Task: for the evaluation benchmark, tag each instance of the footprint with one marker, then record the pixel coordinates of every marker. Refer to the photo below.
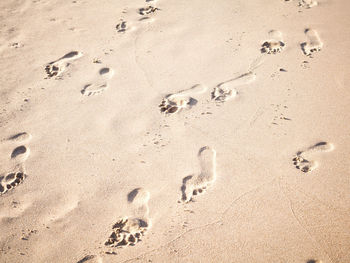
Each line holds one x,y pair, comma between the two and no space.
226,90
308,3
302,161
147,10
127,231
99,86
11,180
274,45
196,184
181,100
314,43
56,68
19,155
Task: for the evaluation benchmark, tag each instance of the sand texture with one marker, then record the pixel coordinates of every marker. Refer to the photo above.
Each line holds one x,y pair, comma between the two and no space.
174,131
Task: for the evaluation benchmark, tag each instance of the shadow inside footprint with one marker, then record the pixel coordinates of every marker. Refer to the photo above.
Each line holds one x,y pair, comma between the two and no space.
20,137
18,151
71,54
86,258
131,196
104,71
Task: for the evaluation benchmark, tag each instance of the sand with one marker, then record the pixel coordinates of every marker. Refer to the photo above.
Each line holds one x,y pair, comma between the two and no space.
174,131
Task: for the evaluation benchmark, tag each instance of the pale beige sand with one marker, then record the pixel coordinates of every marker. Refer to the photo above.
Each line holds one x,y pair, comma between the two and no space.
83,148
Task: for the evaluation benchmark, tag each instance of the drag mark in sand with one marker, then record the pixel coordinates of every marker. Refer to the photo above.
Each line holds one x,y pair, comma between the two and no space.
226,90
274,44
302,159
196,184
314,43
57,67
181,100
99,86
127,231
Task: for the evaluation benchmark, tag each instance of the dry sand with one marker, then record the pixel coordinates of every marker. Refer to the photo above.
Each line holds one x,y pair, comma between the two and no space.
175,131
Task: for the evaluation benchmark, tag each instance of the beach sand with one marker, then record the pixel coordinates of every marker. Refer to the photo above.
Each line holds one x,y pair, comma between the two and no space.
174,131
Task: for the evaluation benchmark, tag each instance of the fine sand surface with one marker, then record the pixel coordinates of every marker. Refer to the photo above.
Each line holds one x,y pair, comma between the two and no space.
175,131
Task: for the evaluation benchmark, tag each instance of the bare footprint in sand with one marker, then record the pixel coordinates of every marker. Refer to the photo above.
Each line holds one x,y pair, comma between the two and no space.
314,43
18,156
274,44
197,184
226,90
99,86
181,100
127,231
56,68
302,159
11,180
